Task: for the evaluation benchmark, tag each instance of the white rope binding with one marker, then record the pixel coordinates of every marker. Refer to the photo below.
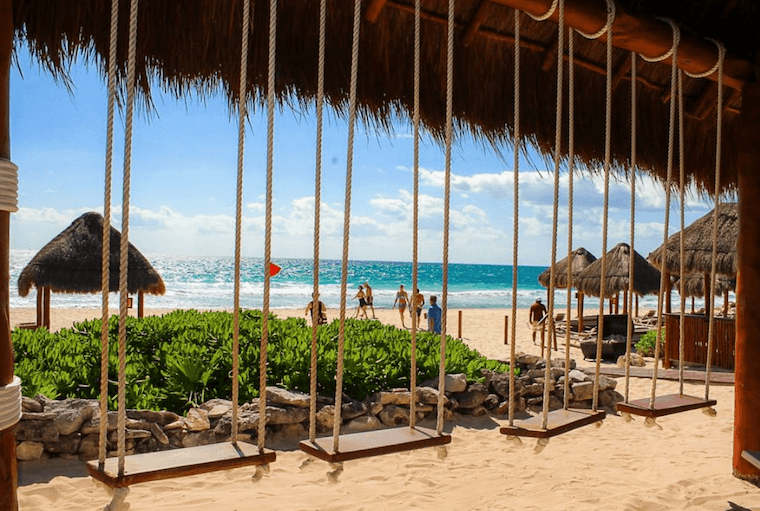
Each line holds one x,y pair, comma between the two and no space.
10,404
8,186
611,12
547,14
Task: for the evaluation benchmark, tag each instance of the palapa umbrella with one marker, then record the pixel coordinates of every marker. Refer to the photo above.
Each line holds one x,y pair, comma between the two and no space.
694,286
71,263
646,278
580,259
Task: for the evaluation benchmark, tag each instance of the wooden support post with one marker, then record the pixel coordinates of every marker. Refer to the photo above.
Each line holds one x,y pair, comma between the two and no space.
506,329
725,303
39,306
708,294
46,307
668,289
373,11
637,306
477,20
625,302
8,464
141,303
747,372
459,326
580,312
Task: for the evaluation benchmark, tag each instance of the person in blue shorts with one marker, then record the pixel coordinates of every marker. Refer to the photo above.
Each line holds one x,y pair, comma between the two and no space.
434,315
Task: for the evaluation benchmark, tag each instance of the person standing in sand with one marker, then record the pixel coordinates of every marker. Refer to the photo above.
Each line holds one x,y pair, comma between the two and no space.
536,317
362,307
321,312
419,300
368,297
401,299
434,315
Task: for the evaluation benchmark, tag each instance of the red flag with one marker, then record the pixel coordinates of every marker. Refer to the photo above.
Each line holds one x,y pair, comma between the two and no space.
274,269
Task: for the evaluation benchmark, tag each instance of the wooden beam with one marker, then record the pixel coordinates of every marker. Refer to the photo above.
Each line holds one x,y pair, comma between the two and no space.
373,11
475,22
643,35
621,72
706,101
550,54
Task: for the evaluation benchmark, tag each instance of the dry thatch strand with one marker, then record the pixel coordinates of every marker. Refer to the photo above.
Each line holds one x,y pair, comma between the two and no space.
580,259
694,285
193,47
616,267
71,262
698,245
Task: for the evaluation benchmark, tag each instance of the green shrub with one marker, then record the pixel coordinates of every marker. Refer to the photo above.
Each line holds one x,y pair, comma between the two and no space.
645,346
185,357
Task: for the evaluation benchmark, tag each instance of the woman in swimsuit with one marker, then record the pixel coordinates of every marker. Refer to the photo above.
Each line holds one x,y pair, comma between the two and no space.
401,298
362,307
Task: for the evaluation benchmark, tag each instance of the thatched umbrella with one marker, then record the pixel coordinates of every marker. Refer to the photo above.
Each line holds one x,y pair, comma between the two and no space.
580,259
646,279
694,286
71,263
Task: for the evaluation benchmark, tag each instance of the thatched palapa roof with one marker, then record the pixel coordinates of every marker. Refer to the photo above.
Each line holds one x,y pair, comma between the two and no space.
698,245
646,278
71,262
580,259
188,47
694,285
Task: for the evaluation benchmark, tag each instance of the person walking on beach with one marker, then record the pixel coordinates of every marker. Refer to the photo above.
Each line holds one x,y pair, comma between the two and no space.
434,316
362,307
401,299
368,297
536,317
321,312
419,303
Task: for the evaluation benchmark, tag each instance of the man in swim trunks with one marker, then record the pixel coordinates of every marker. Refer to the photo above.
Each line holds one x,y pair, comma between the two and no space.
401,298
362,307
321,315
434,316
536,316
420,303
368,297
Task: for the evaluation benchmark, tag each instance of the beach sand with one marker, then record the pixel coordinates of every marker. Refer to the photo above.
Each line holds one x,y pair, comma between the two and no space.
684,463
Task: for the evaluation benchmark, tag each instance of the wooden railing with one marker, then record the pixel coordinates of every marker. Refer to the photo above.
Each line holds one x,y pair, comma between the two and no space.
695,337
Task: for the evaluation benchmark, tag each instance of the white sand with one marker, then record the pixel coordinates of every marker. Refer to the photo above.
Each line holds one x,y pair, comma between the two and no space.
620,466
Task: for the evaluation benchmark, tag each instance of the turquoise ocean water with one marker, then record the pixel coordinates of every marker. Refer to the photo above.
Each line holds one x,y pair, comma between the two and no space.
207,283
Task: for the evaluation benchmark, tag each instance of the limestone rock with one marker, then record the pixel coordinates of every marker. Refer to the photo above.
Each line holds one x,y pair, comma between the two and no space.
474,396
326,418
503,408
583,391
37,431
129,434
394,397
533,390
375,408
38,416
491,402
527,359
178,424
158,433
477,411
290,432
88,447
606,383
353,409
217,411
609,398
66,444
452,383
71,414
197,420
280,396
636,360
276,415
31,405
364,423
213,403
93,425
196,438
429,396
393,415
29,450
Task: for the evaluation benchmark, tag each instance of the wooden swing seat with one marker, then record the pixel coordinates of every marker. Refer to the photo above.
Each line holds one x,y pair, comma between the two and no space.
753,457
373,443
664,405
559,421
153,466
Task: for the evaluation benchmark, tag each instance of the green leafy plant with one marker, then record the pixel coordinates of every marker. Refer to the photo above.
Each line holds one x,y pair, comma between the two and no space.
646,345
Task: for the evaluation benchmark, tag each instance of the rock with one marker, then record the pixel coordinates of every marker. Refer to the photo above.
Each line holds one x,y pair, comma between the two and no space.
452,383
474,396
636,360
560,363
326,418
429,396
137,424
213,403
578,376
31,405
38,416
533,390
393,415
290,432
280,396
197,420
178,424
159,434
37,431
88,447
353,409
29,450
93,425
66,444
364,423
162,418
248,420
527,359
375,408
217,411
500,385
477,411
394,397
609,399
194,439
583,391
503,408
71,414
606,383
129,434
276,415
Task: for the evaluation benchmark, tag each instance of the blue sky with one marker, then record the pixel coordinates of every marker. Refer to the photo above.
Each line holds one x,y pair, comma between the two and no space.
183,183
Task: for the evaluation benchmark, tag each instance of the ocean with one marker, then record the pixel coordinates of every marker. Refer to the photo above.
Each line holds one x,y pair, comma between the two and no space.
207,283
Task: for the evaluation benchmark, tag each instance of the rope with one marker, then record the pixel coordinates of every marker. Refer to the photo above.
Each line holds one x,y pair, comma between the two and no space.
718,64
607,158
672,50
262,431
632,234
611,12
124,254
681,245
570,168
547,14
105,260
415,228
242,98
660,296
10,404
315,309
446,206
515,220
718,150
347,221
8,186
555,211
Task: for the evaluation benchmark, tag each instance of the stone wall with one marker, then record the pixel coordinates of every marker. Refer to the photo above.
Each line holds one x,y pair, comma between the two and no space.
69,428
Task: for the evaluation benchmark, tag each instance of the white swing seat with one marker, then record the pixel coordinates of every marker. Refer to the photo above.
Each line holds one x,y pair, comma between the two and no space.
153,466
753,457
559,422
664,405
374,443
